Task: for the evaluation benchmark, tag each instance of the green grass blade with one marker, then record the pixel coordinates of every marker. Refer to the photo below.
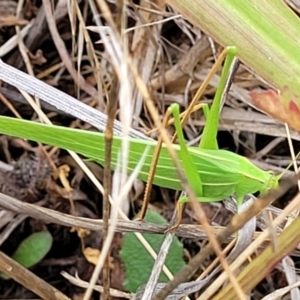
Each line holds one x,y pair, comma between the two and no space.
266,34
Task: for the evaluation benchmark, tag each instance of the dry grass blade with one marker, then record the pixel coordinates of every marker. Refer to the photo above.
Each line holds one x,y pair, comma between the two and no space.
261,266
278,294
52,216
145,44
289,268
29,280
118,76
60,46
60,100
80,283
253,247
148,291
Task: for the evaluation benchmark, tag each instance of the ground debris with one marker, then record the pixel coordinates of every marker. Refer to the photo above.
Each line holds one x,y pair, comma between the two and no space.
28,176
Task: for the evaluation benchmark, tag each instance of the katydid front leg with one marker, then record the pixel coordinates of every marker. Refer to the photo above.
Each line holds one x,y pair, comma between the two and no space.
209,137
188,165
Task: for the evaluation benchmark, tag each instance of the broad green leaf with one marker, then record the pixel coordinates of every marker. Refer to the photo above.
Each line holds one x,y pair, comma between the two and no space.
138,262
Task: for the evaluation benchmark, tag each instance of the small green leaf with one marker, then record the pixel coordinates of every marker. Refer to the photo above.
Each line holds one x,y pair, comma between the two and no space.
138,262
32,250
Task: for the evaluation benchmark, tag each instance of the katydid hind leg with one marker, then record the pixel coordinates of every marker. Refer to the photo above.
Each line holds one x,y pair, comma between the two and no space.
206,81
152,170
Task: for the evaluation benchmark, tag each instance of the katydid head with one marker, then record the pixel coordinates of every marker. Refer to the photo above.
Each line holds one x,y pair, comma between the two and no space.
274,180
271,183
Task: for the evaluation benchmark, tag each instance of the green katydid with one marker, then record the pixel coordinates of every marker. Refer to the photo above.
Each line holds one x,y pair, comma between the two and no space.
213,174
222,172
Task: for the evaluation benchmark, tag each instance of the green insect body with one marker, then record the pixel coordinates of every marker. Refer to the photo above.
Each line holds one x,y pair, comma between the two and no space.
222,172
